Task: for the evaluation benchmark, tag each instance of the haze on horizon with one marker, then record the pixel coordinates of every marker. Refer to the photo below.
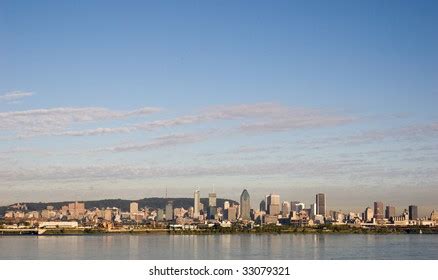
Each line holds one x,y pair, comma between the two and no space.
123,100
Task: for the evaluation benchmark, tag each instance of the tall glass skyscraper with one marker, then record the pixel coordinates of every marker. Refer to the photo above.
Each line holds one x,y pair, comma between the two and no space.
320,204
196,203
245,206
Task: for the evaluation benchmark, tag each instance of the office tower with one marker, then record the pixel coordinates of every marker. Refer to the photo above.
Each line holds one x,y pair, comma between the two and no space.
212,212
413,212
263,205
285,209
160,214
108,215
369,214
378,210
312,210
196,204
245,206
389,212
169,211
226,205
231,213
297,206
273,204
76,209
133,208
320,204
212,199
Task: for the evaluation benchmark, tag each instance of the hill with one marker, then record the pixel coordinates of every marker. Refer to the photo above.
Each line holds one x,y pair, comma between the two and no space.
123,204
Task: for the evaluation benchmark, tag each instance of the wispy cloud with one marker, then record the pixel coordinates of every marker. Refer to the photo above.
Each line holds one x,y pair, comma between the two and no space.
53,120
413,132
160,142
257,118
15,96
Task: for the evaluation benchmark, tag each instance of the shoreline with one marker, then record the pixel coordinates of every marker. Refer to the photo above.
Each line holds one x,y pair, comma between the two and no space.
226,231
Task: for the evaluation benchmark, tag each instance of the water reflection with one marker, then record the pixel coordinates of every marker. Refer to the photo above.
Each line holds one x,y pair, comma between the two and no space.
233,246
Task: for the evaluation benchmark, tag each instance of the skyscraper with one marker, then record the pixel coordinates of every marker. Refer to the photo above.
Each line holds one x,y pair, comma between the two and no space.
369,214
320,204
285,209
263,205
196,204
273,205
133,208
212,199
413,212
389,212
378,210
169,211
245,206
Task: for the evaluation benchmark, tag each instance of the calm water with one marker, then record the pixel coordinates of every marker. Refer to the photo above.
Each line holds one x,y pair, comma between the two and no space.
286,246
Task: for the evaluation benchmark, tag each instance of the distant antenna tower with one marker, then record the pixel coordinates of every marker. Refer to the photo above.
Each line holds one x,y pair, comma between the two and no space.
166,193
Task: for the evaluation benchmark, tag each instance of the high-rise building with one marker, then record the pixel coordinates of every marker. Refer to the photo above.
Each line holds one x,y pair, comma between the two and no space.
169,211
413,212
212,200
321,204
368,214
196,204
226,205
312,210
263,205
285,209
76,209
231,213
378,210
245,206
297,206
273,204
160,214
389,212
133,208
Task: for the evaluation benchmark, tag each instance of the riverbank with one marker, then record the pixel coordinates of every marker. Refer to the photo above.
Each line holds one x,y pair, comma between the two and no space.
218,231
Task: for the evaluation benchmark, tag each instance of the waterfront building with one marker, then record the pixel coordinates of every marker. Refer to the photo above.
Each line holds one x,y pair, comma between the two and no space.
212,212
245,205
321,204
263,205
389,212
196,204
312,210
76,209
133,209
369,214
273,204
285,209
413,212
434,216
378,210
169,211
160,214
231,213
108,215
212,199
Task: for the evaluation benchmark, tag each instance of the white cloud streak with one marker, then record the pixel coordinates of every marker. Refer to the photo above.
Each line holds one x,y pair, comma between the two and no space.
15,96
44,121
261,118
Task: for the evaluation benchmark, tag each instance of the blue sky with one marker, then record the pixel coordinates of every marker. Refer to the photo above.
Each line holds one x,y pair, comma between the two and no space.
109,99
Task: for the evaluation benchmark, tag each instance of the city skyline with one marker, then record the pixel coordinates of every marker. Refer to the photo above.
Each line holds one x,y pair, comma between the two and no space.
291,98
